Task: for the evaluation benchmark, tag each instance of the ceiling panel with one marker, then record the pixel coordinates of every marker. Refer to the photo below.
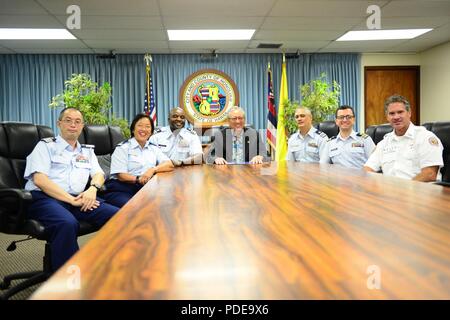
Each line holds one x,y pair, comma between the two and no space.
29,21
39,44
208,44
120,34
104,7
296,35
20,7
414,8
211,22
122,44
218,9
309,23
117,22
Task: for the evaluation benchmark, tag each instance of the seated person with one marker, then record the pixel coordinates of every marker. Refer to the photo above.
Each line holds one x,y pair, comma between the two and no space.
57,171
179,144
308,144
409,151
348,149
134,162
237,144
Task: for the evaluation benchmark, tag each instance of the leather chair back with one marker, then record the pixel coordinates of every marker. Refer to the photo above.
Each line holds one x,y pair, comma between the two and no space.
328,127
380,131
442,131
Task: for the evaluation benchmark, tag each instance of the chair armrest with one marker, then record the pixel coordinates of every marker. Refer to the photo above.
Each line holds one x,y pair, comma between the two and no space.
443,183
13,208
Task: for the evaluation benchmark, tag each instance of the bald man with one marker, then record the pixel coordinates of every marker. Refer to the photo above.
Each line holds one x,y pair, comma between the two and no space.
182,145
308,144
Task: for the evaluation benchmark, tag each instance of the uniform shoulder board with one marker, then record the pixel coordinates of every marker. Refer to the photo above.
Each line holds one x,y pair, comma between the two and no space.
48,140
322,134
191,130
158,130
89,146
122,143
333,137
363,135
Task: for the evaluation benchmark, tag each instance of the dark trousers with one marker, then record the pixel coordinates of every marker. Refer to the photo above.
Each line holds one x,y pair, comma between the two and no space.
119,193
60,219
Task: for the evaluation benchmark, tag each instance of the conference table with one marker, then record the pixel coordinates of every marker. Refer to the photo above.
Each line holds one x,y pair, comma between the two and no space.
273,231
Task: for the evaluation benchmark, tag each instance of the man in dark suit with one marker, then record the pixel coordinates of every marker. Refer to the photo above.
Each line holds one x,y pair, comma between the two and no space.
237,144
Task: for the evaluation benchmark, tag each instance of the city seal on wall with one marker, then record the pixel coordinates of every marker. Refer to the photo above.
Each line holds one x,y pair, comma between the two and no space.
206,96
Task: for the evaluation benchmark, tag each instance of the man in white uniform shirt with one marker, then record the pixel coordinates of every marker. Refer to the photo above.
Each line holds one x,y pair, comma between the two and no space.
409,151
179,144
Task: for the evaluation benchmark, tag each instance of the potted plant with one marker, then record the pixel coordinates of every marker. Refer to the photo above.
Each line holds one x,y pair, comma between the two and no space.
317,96
84,94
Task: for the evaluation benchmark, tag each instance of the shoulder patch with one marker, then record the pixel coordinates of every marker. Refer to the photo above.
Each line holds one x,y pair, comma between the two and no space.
191,130
122,142
158,130
89,146
433,141
362,135
334,137
322,134
48,140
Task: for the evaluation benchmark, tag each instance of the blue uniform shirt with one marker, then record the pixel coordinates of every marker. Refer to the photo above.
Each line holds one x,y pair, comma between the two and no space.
68,168
306,149
351,152
177,147
130,158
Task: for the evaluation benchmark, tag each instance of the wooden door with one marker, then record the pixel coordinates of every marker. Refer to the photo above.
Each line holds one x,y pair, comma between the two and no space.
382,82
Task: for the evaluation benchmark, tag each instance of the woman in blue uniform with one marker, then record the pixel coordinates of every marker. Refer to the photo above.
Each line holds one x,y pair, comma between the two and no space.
134,162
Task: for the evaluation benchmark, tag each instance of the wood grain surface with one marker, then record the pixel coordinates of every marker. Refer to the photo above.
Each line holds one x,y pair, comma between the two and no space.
278,231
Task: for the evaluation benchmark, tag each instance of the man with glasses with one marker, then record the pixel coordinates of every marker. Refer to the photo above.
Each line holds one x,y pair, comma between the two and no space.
57,171
306,145
179,144
348,148
237,144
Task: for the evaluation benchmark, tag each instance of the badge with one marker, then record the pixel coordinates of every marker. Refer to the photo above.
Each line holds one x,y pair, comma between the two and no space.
433,141
357,145
312,144
81,159
183,143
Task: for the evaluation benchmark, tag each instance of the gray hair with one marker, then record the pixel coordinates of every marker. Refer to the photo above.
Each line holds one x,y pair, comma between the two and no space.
236,108
396,98
308,112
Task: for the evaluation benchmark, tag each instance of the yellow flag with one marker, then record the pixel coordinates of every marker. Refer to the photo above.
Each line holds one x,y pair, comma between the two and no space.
281,150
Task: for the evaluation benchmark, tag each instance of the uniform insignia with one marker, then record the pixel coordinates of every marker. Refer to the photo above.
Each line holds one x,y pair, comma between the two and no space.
322,134
357,145
191,130
158,130
183,143
362,135
433,141
89,146
48,140
81,159
312,144
334,149
334,137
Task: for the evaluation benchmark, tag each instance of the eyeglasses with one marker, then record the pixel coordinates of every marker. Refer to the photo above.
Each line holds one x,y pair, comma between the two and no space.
69,121
348,117
237,118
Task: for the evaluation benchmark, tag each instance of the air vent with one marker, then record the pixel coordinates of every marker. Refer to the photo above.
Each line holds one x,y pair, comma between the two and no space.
269,45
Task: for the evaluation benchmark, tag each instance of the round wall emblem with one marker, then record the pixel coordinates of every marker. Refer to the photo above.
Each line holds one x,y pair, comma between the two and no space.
206,96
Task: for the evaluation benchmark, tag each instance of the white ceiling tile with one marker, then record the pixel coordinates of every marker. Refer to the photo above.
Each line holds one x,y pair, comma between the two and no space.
415,8
211,22
208,45
104,7
280,35
117,22
322,8
309,23
218,9
121,34
29,21
20,7
39,44
122,44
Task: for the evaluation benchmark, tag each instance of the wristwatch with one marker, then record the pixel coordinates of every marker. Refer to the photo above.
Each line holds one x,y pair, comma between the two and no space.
96,186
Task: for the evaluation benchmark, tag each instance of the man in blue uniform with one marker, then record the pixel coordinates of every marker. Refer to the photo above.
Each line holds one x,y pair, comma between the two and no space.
308,144
179,144
57,171
348,149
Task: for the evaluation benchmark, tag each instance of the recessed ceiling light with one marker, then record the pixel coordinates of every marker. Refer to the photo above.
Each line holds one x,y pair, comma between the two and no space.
382,34
233,34
34,34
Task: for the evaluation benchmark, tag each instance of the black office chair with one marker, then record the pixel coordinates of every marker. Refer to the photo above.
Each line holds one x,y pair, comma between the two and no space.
105,138
17,140
442,131
380,131
328,127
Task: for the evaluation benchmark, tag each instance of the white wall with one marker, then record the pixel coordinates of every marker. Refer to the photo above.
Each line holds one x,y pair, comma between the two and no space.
434,79
435,84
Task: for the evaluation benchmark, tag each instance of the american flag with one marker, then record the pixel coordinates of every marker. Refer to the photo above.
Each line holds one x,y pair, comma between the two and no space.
149,104
271,115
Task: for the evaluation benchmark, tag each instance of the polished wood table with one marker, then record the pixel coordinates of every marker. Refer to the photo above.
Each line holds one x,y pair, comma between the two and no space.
278,231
